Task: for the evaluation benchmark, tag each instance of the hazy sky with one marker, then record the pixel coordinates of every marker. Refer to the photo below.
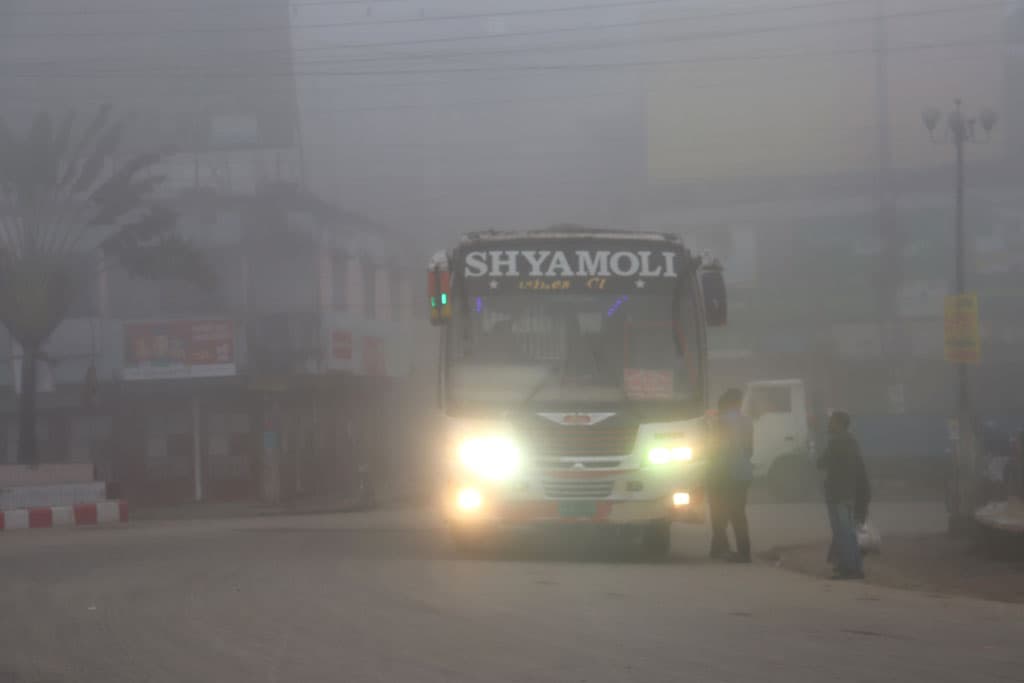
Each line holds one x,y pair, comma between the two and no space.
534,115
440,116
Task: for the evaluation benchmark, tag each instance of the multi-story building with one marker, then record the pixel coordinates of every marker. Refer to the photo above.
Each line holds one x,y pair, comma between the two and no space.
306,336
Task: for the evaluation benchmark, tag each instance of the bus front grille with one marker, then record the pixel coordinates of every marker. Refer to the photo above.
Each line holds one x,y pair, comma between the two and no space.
572,489
581,442
579,463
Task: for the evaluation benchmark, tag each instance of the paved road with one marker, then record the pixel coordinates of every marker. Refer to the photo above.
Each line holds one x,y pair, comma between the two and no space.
378,597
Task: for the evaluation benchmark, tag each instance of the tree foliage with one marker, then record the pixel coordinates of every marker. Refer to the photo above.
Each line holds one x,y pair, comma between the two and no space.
70,208
67,210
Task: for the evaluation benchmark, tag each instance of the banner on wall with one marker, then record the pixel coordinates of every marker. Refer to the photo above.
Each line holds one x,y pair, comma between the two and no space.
179,349
367,347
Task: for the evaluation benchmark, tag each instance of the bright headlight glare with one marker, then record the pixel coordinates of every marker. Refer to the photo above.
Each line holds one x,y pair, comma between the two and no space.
491,457
469,499
661,455
682,453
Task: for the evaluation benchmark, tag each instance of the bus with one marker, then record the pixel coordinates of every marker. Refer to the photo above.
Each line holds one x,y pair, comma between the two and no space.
573,381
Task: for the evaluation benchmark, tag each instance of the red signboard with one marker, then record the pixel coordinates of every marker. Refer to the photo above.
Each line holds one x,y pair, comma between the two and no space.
341,345
179,349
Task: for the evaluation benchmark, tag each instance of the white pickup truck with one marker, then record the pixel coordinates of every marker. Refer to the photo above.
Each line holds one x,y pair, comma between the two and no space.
784,447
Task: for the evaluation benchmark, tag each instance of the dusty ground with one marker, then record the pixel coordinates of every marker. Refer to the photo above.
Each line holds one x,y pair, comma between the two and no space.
934,563
380,597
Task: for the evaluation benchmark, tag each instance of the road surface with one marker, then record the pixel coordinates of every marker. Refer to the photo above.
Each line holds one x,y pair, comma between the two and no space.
378,597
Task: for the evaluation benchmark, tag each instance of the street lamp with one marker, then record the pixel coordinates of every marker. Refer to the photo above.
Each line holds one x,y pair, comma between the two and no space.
961,130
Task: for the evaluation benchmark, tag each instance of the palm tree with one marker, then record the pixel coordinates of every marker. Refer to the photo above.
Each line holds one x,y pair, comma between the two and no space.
66,214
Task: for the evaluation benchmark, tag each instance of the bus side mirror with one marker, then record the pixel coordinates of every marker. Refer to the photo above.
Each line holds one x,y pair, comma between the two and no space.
712,285
439,292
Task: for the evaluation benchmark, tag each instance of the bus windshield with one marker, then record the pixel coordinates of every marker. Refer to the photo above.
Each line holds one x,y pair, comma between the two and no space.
593,349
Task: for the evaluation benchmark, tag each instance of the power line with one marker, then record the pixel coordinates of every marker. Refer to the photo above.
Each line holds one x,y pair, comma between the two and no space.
544,32
687,37
710,59
204,6
354,24
447,104
456,104
469,38
995,40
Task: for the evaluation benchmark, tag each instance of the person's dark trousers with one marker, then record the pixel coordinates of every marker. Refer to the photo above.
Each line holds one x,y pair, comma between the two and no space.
844,550
737,510
719,511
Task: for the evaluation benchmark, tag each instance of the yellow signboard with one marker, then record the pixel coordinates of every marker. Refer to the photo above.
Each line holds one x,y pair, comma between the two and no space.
963,340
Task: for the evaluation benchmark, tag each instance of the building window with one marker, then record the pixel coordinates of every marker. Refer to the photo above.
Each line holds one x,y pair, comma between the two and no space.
369,281
355,299
397,295
406,298
382,294
339,278
182,298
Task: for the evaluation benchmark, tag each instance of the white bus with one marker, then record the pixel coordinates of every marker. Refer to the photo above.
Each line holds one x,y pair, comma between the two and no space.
573,379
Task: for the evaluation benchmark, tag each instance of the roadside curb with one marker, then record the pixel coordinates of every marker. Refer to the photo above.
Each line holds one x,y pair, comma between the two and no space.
385,501
83,514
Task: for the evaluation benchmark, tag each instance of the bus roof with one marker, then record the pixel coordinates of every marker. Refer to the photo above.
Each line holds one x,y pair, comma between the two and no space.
568,232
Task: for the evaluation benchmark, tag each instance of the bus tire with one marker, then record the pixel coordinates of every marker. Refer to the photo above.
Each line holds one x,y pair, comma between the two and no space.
657,540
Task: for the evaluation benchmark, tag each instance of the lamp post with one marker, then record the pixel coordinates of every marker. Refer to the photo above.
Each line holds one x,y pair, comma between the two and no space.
961,129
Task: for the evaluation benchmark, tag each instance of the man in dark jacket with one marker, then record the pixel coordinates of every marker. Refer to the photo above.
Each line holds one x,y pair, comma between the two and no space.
729,479
846,495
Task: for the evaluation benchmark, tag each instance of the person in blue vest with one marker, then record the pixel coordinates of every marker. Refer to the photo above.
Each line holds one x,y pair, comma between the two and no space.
729,477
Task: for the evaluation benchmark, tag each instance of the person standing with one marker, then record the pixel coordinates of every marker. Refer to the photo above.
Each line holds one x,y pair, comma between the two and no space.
844,477
729,479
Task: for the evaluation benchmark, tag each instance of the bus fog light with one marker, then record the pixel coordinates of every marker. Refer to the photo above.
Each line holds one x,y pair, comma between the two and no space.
680,499
469,500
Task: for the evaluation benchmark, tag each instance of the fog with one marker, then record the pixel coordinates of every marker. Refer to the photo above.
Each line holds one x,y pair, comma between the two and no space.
531,116
784,136
444,116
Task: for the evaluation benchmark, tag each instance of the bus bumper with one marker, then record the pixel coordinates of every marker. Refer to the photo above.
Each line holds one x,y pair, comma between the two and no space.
470,507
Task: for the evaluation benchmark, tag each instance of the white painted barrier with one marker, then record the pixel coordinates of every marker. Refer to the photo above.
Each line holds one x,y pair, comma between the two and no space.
59,495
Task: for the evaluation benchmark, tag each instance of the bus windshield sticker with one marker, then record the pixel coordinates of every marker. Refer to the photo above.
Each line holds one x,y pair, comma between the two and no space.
643,384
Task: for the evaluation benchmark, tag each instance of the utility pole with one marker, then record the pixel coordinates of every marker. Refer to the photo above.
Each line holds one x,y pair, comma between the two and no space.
961,130
882,111
961,507
890,237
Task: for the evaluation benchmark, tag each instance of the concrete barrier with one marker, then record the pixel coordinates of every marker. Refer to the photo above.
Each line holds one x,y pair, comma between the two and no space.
20,497
85,514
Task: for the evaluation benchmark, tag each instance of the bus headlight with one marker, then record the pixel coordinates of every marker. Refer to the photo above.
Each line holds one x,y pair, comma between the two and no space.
491,457
662,455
